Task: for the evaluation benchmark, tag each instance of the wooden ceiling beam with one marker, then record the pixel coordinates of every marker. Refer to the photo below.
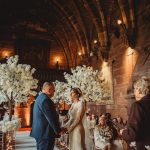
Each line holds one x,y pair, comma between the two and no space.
61,9
58,40
83,26
65,25
65,37
94,19
103,21
123,13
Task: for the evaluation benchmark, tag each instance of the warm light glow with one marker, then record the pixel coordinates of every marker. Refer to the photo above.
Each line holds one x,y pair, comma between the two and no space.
130,51
5,52
119,21
27,115
95,41
105,63
106,73
79,53
24,114
57,59
91,53
129,61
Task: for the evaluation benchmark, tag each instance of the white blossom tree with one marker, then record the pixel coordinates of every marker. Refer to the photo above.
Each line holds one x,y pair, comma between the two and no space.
93,87
62,92
16,82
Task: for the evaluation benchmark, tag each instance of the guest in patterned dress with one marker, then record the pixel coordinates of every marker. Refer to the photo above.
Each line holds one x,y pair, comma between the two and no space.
103,134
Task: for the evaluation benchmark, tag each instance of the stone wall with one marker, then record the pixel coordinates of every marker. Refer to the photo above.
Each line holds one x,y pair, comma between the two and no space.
127,63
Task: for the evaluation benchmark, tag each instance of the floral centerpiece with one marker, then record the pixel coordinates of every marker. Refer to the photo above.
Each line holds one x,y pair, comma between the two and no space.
93,87
16,83
133,145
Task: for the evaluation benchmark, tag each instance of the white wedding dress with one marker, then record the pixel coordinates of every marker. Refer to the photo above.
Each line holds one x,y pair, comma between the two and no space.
76,126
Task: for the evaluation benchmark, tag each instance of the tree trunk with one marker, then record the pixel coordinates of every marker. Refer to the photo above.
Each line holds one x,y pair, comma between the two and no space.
10,108
10,105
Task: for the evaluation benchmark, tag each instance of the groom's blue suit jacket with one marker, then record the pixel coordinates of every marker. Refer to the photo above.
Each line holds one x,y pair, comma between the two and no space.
45,118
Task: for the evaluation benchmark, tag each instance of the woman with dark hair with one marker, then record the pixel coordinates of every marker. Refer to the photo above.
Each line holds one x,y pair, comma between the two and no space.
75,125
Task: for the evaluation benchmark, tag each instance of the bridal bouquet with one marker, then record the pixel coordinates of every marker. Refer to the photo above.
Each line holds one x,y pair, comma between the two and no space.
93,87
16,83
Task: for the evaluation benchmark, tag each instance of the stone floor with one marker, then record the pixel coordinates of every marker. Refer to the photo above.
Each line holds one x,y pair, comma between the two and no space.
25,142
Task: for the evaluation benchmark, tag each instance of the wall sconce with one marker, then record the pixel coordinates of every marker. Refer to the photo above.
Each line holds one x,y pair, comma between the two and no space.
57,64
129,34
91,53
95,41
79,53
100,52
94,49
6,53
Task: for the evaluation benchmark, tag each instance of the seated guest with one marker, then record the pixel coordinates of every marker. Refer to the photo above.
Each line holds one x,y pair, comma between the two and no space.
88,118
108,119
92,125
97,119
88,111
138,124
93,121
110,123
103,134
120,121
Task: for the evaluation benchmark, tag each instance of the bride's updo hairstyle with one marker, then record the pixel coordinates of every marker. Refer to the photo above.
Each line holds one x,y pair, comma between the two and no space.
77,91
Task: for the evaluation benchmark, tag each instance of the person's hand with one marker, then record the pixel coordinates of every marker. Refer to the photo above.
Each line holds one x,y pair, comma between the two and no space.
66,131
121,131
62,131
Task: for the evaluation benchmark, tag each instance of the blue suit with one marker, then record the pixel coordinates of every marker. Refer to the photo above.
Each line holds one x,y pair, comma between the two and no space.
45,126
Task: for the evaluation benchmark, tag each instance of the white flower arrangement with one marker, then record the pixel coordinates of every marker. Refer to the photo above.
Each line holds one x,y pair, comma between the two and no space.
147,147
62,91
133,145
6,125
16,83
93,87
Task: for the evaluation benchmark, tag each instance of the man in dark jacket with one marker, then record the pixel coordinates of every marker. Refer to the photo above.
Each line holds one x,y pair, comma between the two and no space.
45,126
138,128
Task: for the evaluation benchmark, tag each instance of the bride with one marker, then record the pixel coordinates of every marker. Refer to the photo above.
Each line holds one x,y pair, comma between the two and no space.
75,125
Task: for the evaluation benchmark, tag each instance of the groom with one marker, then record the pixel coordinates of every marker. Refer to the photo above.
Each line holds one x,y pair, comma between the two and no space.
45,126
